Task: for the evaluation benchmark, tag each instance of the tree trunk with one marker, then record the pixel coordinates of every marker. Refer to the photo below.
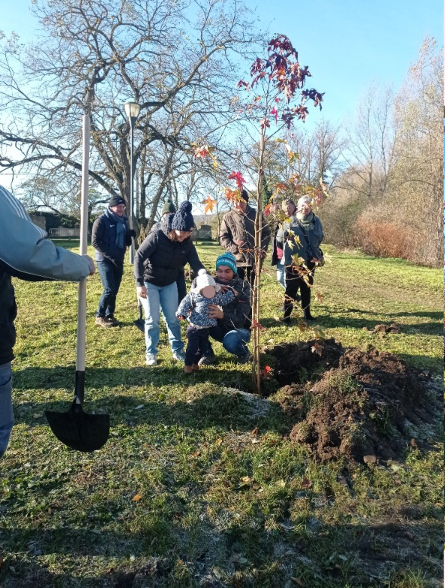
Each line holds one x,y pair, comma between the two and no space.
256,366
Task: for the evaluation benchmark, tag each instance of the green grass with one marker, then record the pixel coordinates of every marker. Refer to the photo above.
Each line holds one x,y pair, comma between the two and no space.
199,484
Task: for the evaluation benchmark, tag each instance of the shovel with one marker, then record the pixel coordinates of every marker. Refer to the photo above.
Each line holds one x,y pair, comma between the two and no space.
140,323
75,428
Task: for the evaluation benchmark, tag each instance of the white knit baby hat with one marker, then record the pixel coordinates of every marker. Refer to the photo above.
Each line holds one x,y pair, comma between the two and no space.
204,279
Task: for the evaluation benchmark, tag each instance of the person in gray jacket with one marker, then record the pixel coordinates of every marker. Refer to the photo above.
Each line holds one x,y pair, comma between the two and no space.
302,254
25,253
237,235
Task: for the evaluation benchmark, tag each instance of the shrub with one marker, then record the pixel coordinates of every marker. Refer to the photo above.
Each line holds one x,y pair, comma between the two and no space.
384,238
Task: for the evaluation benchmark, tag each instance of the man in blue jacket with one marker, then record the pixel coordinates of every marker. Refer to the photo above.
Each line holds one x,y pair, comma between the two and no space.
25,253
110,238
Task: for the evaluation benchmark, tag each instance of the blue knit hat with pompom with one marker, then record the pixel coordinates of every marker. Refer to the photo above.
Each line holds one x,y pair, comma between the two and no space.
183,218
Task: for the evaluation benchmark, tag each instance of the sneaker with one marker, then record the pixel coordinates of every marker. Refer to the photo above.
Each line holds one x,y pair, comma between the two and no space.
114,322
246,358
207,359
101,321
179,355
150,359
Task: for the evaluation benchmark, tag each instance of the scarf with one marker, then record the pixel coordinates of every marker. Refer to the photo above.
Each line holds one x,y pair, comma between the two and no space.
121,228
307,222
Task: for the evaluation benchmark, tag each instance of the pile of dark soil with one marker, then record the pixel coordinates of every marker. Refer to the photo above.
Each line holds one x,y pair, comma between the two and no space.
363,405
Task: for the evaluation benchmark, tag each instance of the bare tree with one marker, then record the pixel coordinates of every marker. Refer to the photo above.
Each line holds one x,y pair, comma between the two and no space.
416,195
370,156
174,58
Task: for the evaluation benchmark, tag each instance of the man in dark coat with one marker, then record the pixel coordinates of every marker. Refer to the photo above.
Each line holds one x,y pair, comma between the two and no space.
110,238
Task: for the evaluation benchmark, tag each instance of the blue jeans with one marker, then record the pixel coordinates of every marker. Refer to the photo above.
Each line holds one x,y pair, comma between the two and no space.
233,341
111,276
6,414
281,273
165,298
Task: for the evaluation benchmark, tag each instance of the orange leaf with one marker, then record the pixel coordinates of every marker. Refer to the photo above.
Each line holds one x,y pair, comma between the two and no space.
136,497
209,204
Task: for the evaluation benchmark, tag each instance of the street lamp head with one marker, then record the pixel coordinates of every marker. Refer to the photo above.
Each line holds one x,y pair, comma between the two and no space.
132,109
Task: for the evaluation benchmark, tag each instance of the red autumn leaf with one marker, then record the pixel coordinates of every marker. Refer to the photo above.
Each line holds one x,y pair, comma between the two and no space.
274,112
201,152
240,181
257,324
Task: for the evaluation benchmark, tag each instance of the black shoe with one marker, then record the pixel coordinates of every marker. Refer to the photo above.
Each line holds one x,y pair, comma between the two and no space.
246,358
113,321
207,359
308,316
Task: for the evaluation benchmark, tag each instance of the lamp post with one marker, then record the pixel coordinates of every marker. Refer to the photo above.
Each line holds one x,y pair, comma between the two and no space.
132,109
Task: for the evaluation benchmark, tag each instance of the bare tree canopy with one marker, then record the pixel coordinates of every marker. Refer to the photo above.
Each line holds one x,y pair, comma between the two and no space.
179,60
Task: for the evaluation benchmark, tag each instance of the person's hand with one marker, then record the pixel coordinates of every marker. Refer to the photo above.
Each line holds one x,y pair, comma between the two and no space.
141,291
263,254
239,243
90,263
223,288
132,233
214,311
180,317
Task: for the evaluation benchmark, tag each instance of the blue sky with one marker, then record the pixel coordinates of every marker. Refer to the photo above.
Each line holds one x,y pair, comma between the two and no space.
347,43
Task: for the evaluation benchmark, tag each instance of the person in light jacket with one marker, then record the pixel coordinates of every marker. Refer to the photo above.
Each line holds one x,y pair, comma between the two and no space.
302,254
25,253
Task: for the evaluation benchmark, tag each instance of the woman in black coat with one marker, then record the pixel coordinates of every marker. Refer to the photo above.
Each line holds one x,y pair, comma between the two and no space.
161,256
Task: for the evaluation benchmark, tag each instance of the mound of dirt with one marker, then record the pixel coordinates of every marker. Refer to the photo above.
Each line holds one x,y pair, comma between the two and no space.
363,405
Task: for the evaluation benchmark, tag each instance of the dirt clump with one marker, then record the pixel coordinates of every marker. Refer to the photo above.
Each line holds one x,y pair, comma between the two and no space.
363,405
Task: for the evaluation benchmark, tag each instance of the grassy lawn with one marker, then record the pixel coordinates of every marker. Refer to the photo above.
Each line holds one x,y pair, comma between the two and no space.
199,484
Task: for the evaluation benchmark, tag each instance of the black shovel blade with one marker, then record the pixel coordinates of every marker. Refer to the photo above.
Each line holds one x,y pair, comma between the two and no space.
140,324
79,430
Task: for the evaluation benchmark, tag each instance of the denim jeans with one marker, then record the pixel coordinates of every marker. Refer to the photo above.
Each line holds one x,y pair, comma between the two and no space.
6,414
281,273
165,298
111,276
233,341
